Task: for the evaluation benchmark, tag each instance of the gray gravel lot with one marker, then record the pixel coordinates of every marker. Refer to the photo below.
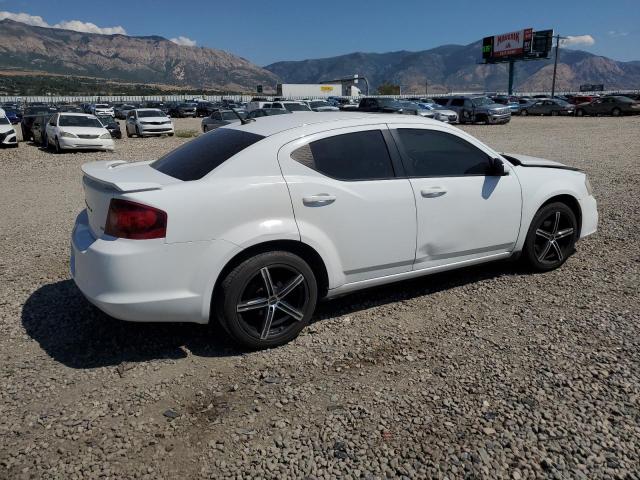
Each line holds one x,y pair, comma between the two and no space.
489,372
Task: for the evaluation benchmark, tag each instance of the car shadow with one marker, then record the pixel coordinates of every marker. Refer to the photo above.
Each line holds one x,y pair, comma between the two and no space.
75,333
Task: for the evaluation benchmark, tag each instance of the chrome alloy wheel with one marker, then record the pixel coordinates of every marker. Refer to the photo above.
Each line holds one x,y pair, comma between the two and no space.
554,238
272,301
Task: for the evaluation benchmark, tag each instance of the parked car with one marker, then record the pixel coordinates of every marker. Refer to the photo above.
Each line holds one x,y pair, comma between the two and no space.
348,104
70,108
576,99
14,116
289,105
265,112
510,101
164,108
148,121
220,118
251,224
182,110
440,113
615,106
111,124
30,115
77,131
379,105
38,129
548,106
476,108
8,137
204,109
102,109
121,111
321,106
413,108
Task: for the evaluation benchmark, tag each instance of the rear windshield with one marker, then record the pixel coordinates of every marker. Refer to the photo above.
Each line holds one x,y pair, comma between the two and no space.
296,107
197,158
4,121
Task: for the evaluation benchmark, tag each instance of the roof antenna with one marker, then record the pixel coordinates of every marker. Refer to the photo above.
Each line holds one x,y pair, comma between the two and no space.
243,121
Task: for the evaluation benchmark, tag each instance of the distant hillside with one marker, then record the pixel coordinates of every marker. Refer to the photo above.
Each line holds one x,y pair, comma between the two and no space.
456,67
133,59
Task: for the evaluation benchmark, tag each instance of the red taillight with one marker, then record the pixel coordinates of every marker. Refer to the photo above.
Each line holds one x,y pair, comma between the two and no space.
135,221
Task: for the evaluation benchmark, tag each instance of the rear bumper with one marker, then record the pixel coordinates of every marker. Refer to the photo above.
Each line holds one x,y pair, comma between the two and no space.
589,209
146,280
86,143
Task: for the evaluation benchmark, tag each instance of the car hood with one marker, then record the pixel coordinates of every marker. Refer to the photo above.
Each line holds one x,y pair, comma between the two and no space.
444,112
6,128
154,119
528,161
84,130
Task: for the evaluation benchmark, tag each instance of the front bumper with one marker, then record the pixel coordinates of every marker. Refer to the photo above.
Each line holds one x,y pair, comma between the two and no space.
589,210
155,129
9,139
499,118
70,143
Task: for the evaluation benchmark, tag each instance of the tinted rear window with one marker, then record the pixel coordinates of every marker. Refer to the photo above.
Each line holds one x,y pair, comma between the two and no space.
196,158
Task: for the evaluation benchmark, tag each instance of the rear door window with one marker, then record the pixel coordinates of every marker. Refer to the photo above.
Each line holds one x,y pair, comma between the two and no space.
197,158
351,156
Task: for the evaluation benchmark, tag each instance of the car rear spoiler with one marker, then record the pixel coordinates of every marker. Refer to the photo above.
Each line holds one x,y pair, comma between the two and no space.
122,179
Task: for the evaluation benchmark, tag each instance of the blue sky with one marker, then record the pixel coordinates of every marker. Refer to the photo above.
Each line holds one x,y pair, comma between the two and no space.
269,31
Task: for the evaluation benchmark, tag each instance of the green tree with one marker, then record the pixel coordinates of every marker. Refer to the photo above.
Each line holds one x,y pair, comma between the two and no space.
388,88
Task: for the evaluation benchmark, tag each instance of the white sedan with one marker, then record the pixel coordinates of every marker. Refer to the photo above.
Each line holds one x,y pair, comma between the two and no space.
77,131
148,121
251,224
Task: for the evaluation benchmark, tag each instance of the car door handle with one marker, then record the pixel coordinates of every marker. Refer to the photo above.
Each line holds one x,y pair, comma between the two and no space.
433,192
318,200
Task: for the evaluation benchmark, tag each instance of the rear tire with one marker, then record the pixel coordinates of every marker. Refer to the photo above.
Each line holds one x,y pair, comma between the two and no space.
267,300
616,112
580,113
524,113
551,237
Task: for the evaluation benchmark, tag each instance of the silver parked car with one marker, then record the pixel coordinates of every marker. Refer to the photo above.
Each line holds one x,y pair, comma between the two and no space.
441,113
220,118
548,106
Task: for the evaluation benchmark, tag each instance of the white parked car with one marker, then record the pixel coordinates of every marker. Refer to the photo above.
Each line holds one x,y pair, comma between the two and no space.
289,105
102,109
8,136
148,121
251,224
321,106
76,131
441,113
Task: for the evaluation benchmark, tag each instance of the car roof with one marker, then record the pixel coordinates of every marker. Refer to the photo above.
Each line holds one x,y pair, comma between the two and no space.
271,125
76,114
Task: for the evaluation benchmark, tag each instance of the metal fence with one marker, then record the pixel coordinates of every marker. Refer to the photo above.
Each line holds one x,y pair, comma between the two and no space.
72,99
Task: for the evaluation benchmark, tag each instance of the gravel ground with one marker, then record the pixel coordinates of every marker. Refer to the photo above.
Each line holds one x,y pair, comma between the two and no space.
488,372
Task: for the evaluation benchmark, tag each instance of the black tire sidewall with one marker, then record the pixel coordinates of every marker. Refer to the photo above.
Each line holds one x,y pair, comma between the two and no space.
529,250
232,288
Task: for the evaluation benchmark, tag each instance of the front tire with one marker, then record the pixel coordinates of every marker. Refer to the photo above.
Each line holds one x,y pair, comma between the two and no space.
580,113
57,148
616,112
267,300
524,113
551,238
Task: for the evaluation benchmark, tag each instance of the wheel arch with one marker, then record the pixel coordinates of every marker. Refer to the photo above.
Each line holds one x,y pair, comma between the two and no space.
572,202
303,250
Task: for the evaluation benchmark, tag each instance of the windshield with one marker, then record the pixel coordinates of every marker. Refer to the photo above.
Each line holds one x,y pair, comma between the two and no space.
78,121
4,121
150,113
482,101
320,104
562,103
296,107
102,105
187,105
106,120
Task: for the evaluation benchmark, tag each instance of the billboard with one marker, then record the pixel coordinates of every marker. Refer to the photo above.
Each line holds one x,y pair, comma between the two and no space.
519,45
512,44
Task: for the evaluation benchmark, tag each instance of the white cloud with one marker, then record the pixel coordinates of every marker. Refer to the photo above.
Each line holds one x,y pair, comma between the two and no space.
184,41
75,25
573,40
617,33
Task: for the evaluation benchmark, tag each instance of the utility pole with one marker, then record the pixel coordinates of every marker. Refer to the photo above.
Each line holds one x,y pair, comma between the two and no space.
511,68
426,88
555,64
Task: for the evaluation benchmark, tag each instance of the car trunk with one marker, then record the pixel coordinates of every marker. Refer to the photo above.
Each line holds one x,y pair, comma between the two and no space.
105,180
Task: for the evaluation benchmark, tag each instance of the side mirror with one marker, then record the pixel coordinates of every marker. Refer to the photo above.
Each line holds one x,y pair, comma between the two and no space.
496,168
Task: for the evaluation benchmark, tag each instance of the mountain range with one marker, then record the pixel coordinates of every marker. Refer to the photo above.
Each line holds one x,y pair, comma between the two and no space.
456,67
156,60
